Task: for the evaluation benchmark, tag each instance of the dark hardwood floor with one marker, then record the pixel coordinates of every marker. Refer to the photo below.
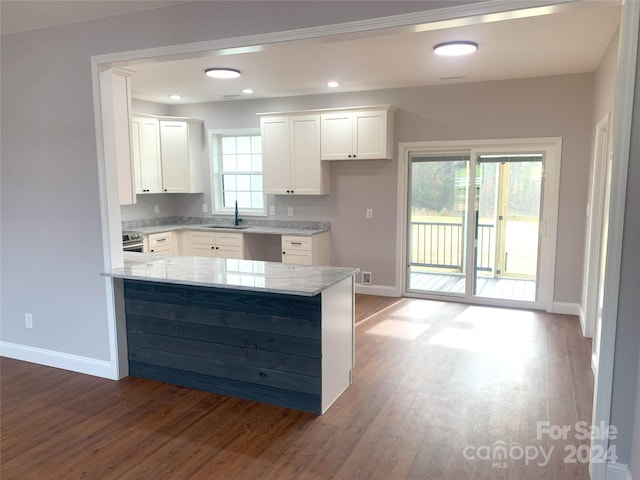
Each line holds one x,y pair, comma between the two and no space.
437,388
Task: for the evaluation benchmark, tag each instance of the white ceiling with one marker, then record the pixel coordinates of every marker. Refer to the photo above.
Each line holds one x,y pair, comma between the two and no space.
571,41
561,43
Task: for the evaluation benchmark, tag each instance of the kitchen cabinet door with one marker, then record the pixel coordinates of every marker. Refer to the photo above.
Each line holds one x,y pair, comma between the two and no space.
337,136
308,175
276,164
174,146
291,156
369,135
146,154
357,135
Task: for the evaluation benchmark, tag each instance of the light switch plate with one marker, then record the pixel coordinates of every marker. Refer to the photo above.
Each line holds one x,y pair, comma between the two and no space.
156,208
290,211
205,209
272,210
369,213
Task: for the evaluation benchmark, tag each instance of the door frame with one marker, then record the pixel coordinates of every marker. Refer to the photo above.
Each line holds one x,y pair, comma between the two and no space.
552,146
593,251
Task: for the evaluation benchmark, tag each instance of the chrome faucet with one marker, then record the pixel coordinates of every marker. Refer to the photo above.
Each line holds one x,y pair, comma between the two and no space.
237,220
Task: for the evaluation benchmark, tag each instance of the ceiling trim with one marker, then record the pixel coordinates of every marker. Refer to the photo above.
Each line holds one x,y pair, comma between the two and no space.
479,12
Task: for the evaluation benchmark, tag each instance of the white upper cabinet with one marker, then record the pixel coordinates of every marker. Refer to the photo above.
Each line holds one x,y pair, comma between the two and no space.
167,154
291,155
181,154
357,134
145,140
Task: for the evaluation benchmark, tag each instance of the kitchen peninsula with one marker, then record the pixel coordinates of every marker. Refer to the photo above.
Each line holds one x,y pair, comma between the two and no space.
265,331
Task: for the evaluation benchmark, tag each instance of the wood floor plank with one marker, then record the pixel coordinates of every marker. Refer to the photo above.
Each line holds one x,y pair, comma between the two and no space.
434,382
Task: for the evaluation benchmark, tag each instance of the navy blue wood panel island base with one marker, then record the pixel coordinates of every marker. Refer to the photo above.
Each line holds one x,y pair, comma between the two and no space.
258,343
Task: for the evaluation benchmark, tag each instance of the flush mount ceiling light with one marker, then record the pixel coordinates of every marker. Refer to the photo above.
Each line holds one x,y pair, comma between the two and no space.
333,84
222,72
247,91
454,49
175,97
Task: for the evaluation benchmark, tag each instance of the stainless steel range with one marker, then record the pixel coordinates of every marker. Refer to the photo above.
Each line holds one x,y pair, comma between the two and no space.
132,241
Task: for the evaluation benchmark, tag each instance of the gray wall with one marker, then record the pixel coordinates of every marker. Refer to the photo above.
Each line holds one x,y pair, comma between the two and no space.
625,396
51,240
538,107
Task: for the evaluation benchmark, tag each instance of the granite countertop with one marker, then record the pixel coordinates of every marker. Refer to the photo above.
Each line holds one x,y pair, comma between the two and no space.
267,227
265,230
234,274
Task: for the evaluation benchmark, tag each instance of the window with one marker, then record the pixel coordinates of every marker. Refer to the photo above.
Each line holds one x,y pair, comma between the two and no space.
237,172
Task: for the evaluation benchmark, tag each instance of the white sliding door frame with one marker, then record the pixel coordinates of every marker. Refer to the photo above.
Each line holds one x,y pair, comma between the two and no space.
552,148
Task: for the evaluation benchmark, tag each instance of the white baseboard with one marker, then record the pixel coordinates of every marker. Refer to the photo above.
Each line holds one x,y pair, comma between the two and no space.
381,290
583,321
51,358
618,471
566,308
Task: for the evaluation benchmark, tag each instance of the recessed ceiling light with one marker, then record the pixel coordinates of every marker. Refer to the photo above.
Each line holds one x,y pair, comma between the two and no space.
333,84
175,97
248,91
222,72
453,49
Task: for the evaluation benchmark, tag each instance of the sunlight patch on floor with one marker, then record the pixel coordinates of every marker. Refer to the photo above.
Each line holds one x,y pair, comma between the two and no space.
398,329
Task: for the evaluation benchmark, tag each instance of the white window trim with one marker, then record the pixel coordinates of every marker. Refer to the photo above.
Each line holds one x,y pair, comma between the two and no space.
215,185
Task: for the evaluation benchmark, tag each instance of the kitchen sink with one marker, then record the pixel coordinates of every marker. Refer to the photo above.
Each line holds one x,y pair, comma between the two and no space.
233,227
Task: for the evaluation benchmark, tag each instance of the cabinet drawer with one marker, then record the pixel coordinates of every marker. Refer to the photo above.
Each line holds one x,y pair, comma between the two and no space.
296,243
161,250
159,239
298,258
203,238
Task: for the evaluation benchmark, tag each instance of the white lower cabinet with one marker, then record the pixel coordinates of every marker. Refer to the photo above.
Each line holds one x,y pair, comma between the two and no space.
161,243
214,245
306,250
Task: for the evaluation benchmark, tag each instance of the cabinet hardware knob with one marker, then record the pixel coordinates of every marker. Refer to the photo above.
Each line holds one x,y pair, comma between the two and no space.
284,253
213,248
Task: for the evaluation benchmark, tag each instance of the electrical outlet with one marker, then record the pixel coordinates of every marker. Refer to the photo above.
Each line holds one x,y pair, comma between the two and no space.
205,209
366,278
156,208
290,211
369,213
28,320
272,209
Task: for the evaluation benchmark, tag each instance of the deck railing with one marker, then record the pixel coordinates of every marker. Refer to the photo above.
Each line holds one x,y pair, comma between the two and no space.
440,245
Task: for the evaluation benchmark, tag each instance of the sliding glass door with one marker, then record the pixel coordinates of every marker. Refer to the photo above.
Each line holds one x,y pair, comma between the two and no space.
508,208
437,215
474,224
